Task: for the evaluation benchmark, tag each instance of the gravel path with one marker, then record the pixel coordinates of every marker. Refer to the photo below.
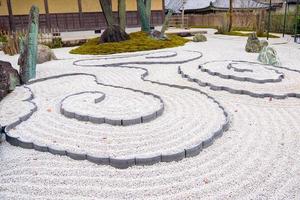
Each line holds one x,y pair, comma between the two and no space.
257,158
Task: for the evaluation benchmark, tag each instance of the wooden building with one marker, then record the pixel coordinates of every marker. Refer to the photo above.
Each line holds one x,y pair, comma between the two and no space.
70,15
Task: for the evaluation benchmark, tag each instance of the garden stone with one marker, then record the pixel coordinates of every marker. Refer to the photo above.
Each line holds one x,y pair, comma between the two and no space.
45,54
264,43
9,78
199,38
268,55
253,44
28,52
155,33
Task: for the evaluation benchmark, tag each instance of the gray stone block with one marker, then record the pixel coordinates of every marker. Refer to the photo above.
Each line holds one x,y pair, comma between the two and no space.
172,157
96,120
98,160
76,156
148,160
149,117
160,112
208,142
194,150
12,140
56,151
122,163
127,122
25,144
69,114
114,122
40,148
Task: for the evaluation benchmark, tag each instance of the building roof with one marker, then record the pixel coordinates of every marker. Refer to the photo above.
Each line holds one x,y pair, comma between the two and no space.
239,4
216,4
196,4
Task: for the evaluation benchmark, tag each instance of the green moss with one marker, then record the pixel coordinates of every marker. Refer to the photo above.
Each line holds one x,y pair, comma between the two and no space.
3,38
214,27
138,41
237,33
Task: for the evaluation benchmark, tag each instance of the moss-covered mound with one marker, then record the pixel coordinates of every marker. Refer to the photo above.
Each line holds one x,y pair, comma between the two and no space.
237,33
138,41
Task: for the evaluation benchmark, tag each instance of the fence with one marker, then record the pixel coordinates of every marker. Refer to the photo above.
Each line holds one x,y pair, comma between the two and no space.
246,20
241,20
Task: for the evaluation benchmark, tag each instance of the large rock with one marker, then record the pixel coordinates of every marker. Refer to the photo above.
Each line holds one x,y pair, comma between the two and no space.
9,78
44,54
253,44
199,38
268,55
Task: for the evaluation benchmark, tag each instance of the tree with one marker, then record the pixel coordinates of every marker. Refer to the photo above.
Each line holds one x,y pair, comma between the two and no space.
122,13
230,15
144,7
114,32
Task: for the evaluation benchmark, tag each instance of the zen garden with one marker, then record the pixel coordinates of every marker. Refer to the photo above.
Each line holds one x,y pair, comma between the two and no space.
149,99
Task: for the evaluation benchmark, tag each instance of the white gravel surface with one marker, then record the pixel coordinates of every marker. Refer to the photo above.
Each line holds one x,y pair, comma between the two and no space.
258,158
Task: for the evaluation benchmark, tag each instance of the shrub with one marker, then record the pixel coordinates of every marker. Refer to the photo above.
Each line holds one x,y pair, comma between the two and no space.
55,43
3,39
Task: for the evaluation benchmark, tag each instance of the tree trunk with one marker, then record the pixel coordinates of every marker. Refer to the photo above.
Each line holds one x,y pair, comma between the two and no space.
113,33
107,11
166,23
148,10
122,13
144,12
230,15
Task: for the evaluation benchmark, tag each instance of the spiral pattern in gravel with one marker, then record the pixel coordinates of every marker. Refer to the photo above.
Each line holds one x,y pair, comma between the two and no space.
247,78
258,158
181,130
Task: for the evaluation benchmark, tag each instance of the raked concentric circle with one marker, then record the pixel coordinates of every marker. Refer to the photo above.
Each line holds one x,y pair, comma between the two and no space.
116,109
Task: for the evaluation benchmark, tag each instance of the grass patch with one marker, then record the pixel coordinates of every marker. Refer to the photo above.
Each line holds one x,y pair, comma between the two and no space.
237,33
139,41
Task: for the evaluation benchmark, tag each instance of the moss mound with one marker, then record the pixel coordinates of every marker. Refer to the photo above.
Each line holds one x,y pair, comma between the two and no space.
139,41
237,33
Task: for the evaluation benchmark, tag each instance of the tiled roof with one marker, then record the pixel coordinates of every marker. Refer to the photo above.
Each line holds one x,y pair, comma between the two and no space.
202,4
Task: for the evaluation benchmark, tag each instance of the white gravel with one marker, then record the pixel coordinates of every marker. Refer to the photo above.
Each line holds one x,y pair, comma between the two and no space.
258,158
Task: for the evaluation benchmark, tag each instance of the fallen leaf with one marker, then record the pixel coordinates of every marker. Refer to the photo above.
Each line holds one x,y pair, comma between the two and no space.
205,180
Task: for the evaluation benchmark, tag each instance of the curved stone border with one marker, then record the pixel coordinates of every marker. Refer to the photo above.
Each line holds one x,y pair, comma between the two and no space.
76,63
125,162
114,122
238,78
235,91
238,69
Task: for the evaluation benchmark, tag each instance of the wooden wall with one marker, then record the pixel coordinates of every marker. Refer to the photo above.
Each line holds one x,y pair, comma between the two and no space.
65,15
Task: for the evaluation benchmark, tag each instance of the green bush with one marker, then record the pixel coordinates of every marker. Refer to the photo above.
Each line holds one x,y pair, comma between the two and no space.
55,43
3,39
139,41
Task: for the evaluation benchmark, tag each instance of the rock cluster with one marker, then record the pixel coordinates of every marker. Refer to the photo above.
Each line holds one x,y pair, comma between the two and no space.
268,55
199,38
254,45
45,54
9,78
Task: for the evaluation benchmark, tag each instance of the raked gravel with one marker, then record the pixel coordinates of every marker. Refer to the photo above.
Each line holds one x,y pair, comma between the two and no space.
258,158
